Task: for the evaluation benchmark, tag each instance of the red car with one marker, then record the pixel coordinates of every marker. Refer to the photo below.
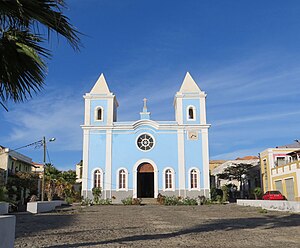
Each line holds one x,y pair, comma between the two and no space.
273,195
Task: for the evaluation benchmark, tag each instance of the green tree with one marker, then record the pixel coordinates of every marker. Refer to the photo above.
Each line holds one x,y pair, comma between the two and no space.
24,27
236,172
59,183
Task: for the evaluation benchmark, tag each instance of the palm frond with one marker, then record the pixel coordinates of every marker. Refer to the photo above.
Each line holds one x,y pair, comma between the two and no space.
31,13
22,69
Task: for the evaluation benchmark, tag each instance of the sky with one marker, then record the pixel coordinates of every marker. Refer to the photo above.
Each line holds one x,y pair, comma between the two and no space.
244,54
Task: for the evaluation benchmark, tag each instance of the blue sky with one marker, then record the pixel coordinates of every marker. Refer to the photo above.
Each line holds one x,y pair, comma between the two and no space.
244,54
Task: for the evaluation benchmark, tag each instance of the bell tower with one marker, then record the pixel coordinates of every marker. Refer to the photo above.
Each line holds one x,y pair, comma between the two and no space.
189,103
100,105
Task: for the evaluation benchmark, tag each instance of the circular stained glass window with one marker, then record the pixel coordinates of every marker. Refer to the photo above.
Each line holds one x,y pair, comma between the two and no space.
145,142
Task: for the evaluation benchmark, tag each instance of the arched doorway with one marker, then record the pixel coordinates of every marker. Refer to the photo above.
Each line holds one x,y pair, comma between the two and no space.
145,181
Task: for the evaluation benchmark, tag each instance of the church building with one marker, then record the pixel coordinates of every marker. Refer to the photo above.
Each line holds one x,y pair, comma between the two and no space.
143,158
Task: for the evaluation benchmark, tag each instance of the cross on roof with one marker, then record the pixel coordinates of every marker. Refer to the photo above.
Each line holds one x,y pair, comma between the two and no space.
145,104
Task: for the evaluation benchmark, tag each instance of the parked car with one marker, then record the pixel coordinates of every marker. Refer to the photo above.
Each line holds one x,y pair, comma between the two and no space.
273,195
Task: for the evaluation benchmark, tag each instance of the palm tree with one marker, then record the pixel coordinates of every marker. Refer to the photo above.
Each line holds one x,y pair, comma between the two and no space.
24,26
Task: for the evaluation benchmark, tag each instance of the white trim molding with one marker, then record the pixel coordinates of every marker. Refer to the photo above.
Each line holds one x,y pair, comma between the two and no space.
97,108
118,179
85,162
101,178
172,179
188,114
135,167
198,178
145,133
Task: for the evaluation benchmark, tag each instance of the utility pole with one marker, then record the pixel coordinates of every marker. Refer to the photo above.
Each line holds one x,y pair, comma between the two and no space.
44,166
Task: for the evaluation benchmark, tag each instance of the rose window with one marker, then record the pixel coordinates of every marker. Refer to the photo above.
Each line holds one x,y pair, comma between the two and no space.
145,142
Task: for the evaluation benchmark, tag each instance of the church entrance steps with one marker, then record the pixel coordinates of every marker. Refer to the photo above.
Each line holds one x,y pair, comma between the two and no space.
149,201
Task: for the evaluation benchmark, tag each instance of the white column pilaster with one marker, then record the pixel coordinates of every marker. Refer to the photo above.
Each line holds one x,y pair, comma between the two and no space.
203,110
108,165
181,161
205,157
85,161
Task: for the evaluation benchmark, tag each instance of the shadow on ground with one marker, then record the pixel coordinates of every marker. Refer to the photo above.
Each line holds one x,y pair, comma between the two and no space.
31,224
266,222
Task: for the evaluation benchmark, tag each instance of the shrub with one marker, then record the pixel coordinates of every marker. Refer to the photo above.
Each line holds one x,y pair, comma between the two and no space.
171,200
86,202
202,200
105,201
131,201
214,193
219,198
189,201
97,194
257,193
127,201
3,194
225,190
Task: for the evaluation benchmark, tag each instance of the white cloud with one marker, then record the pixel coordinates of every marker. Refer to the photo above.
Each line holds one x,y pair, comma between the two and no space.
56,114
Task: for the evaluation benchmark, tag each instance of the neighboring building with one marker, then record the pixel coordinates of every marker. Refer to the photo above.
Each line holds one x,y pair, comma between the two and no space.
249,183
215,163
280,168
12,162
145,157
79,172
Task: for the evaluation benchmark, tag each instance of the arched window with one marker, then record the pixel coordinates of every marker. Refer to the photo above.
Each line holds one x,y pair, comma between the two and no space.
99,114
168,179
191,113
97,178
122,179
194,179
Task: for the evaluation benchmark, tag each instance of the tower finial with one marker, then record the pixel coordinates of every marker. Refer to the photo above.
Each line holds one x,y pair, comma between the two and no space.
145,105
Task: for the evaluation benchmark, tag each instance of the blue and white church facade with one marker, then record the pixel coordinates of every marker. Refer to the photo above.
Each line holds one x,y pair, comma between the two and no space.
143,158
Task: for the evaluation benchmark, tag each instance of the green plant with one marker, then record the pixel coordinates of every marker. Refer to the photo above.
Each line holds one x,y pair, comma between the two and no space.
131,201
97,193
257,193
3,194
86,202
189,201
127,201
171,200
225,191
219,198
202,200
263,211
105,202
214,192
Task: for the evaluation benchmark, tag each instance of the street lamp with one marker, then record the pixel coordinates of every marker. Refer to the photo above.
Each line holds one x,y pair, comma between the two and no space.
44,163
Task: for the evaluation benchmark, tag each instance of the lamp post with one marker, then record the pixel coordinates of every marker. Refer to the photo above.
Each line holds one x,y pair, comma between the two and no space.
44,163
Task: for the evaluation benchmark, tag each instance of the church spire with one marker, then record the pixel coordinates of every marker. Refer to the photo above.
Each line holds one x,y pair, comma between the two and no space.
189,85
100,86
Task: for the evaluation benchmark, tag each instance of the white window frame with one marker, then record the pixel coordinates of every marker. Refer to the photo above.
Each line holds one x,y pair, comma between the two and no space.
101,178
194,113
154,142
198,178
172,178
96,113
118,178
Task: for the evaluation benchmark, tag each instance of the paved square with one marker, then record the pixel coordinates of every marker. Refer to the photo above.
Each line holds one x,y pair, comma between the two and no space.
159,226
